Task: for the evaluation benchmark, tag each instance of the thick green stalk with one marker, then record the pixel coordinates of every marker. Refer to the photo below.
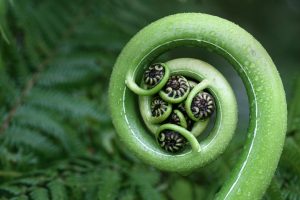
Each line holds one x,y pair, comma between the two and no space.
255,168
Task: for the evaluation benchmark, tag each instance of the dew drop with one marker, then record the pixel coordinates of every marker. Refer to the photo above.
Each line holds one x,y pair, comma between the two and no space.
246,63
252,65
259,88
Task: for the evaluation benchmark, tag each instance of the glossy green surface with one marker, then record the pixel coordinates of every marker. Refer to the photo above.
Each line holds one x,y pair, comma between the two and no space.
219,137
252,174
196,148
182,120
130,82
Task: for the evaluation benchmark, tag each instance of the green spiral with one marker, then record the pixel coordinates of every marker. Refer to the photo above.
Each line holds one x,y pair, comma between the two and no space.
131,110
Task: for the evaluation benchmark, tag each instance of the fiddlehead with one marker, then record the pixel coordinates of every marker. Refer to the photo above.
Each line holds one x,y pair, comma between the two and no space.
154,74
176,89
160,110
209,79
199,105
155,77
210,94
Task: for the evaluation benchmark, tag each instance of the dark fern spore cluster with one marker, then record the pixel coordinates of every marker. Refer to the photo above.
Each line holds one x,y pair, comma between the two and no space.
154,74
158,107
177,86
171,141
203,105
176,89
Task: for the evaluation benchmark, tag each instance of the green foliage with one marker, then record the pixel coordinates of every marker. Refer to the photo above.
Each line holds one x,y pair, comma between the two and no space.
3,24
56,138
47,108
85,178
285,184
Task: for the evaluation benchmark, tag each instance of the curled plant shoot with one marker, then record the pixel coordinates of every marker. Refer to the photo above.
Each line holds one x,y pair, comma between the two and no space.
171,141
203,105
154,74
160,109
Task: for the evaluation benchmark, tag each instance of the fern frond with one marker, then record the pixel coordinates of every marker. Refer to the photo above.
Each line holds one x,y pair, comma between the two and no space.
294,111
290,156
145,181
43,122
66,105
3,25
15,159
39,193
50,183
8,89
274,192
71,72
290,186
20,136
109,184
57,190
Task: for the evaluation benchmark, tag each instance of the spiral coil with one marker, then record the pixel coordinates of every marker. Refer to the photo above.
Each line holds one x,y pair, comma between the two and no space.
209,79
264,88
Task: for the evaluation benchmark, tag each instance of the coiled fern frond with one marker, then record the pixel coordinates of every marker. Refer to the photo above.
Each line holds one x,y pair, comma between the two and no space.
56,138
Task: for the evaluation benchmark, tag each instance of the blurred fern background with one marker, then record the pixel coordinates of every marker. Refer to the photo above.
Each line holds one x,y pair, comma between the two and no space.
56,137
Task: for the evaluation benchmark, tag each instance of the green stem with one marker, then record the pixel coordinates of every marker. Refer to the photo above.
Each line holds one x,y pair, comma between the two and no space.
182,120
198,88
266,133
199,127
188,135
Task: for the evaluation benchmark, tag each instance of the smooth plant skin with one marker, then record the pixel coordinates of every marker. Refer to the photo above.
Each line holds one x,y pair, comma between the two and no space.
182,120
268,115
